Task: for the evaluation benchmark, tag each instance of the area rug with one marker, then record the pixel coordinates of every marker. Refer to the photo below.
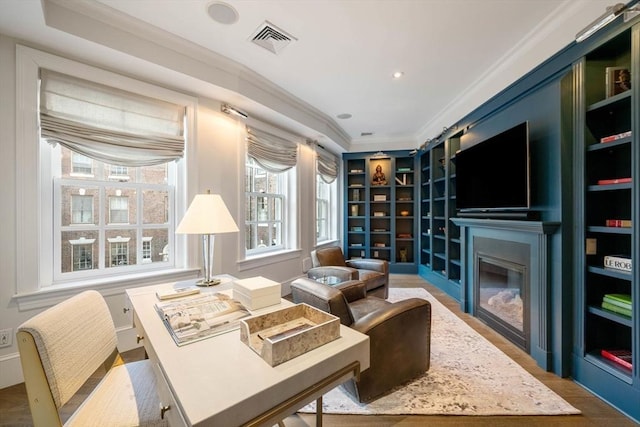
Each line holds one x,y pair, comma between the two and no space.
468,376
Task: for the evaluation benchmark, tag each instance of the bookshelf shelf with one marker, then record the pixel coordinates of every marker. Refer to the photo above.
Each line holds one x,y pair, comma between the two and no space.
606,148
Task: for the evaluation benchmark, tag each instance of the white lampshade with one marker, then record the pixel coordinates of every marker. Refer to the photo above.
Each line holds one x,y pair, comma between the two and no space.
207,215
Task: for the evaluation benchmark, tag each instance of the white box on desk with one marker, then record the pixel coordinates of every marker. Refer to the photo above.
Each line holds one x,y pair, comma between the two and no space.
256,292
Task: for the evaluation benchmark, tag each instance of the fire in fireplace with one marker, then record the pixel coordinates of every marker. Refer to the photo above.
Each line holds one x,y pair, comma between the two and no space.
501,282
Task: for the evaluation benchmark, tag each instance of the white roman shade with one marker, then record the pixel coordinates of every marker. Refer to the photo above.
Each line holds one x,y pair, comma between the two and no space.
109,124
327,165
275,154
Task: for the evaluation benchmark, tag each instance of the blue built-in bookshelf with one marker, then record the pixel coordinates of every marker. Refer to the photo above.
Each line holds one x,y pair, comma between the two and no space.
381,215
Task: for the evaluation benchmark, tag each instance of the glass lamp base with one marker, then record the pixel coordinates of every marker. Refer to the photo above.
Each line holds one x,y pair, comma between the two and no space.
205,283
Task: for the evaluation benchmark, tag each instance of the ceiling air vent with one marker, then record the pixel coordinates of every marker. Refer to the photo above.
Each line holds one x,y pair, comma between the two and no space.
271,37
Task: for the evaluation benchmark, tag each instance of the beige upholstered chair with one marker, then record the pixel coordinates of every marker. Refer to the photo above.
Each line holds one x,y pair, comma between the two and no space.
399,333
374,273
62,347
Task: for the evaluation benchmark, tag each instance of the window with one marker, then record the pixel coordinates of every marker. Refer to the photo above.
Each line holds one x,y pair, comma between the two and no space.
85,220
118,173
137,210
81,165
119,251
82,254
323,203
118,210
81,209
326,195
270,178
264,216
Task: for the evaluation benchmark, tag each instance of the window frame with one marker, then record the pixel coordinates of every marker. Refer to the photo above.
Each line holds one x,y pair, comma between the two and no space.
36,230
284,198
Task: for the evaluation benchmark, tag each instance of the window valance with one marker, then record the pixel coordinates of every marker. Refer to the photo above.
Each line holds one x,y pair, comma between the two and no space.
273,153
327,165
109,124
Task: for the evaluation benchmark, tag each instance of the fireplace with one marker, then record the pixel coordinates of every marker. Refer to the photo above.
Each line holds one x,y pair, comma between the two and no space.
501,297
511,261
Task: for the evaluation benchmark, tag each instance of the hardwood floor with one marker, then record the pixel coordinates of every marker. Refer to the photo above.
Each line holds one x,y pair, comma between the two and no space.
14,409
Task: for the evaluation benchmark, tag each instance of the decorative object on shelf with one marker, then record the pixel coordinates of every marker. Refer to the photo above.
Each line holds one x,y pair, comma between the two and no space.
207,215
356,195
404,213
618,80
403,255
379,178
379,197
402,181
354,210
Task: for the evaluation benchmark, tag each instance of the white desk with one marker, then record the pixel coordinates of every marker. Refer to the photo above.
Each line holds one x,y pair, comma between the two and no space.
220,381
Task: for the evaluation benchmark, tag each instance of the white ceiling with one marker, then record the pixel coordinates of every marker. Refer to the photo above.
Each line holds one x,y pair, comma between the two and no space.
455,55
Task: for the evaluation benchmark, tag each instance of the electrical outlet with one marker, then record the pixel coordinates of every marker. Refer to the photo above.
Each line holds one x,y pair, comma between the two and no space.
6,336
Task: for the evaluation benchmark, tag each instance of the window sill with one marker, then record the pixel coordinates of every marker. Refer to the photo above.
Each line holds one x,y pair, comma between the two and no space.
268,259
49,296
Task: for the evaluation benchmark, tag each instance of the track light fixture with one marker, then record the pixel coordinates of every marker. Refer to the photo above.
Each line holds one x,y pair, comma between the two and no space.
228,109
611,13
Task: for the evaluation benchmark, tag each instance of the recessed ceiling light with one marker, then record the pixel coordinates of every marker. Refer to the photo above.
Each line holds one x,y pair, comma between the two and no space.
344,116
222,13
397,74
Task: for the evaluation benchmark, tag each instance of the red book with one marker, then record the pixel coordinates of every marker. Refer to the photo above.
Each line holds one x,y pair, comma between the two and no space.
621,357
613,181
624,223
616,137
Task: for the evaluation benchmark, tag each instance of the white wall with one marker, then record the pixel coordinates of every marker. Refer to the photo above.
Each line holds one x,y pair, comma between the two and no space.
220,151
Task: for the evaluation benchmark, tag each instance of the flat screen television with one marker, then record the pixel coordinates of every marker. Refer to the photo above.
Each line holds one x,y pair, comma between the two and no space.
494,175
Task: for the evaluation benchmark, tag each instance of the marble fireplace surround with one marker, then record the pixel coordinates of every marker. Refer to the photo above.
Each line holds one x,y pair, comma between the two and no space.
535,235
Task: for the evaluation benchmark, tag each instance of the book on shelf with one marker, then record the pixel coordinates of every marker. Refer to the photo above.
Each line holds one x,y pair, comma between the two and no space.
202,316
616,309
404,235
622,223
621,357
379,245
356,171
615,137
617,262
379,197
622,300
403,169
614,181
378,213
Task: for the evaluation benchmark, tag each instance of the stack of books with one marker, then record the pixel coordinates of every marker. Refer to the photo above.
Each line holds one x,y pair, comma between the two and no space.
618,303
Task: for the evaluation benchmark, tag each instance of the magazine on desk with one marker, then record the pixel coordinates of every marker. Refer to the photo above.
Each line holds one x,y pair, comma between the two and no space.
198,317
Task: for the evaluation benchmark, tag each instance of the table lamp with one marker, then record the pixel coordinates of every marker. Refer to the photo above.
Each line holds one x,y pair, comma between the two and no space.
207,216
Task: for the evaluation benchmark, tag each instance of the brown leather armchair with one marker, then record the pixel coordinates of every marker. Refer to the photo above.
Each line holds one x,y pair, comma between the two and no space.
399,333
374,273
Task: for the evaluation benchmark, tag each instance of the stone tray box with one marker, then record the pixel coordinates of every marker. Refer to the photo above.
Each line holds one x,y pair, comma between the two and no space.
256,292
281,335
